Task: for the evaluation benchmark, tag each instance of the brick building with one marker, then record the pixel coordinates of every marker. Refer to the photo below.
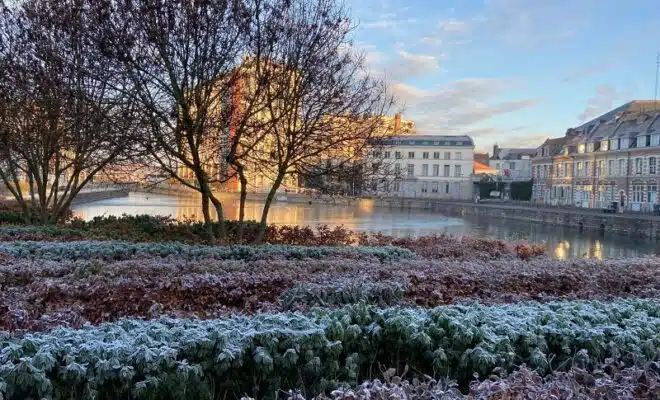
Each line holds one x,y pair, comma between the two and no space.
613,158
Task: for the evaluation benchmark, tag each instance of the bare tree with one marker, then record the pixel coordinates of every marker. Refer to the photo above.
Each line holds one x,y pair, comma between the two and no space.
61,120
184,61
322,103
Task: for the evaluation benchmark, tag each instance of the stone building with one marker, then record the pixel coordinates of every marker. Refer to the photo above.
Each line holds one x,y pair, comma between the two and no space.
613,158
427,166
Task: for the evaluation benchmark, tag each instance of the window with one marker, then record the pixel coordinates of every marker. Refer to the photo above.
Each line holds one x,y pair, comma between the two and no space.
587,172
458,155
436,155
425,170
436,170
599,167
581,148
648,140
445,170
374,168
446,188
386,186
411,154
397,155
610,167
447,155
638,166
638,194
397,169
425,187
580,171
653,166
652,193
374,185
387,154
434,187
622,167
557,170
410,170
545,171
425,155
397,187
565,168
604,145
457,170
512,166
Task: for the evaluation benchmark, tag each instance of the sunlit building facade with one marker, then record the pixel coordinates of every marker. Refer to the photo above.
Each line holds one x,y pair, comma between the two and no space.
611,159
423,166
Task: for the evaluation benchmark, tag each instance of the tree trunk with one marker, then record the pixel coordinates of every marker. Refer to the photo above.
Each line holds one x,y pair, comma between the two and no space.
267,204
241,207
206,212
217,204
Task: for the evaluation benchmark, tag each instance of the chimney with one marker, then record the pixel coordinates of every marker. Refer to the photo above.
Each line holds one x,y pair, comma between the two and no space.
397,123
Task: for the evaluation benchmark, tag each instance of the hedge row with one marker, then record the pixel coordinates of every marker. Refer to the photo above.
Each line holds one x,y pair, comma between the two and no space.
233,357
39,294
122,250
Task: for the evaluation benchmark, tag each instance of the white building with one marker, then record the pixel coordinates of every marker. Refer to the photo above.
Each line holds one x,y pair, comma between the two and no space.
512,164
426,166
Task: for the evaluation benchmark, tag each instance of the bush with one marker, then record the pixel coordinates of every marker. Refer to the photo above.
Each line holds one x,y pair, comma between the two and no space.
122,250
11,217
258,356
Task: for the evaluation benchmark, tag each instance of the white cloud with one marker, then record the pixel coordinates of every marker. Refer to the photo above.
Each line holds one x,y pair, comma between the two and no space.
459,107
454,26
601,102
414,65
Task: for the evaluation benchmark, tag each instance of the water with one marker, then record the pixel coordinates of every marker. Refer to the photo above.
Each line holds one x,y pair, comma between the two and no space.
563,243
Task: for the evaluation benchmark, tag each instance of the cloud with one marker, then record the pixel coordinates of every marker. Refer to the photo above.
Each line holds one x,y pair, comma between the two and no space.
460,106
454,26
601,102
585,72
414,65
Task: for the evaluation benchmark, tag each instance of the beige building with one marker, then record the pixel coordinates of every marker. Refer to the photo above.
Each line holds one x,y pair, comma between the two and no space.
613,158
426,166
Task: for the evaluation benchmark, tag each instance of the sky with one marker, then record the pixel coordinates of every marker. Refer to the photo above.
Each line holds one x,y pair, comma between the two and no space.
511,72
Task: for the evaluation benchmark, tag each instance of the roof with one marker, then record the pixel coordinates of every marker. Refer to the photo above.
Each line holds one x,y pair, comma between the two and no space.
514,153
430,140
634,106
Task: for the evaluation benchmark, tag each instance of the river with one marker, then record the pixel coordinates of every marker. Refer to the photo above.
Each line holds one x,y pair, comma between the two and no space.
562,243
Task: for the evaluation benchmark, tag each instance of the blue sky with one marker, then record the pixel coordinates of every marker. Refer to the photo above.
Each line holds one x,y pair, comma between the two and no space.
510,71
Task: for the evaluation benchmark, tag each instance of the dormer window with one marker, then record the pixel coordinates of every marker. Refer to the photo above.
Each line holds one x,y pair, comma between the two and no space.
604,145
590,147
581,148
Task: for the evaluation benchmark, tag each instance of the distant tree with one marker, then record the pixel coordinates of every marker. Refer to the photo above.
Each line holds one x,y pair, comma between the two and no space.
322,103
61,118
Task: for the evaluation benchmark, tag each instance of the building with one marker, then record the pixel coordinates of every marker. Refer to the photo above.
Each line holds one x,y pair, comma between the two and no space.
513,165
416,166
613,158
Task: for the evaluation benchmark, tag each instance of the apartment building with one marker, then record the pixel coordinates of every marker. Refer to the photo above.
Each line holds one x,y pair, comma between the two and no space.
512,164
426,166
613,158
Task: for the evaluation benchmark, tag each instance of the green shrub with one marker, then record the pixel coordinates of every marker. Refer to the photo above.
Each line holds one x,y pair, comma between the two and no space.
110,250
238,356
11,217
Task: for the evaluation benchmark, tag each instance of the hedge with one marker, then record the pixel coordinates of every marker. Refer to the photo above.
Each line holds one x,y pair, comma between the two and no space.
238,356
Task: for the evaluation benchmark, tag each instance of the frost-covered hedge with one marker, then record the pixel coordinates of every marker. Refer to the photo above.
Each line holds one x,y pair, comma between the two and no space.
123,250
230,358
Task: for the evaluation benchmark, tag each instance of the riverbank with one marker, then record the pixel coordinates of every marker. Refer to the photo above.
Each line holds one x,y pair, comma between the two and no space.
582,219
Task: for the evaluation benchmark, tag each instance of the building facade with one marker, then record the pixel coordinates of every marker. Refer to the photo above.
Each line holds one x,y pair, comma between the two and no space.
422,166
612,159
514,165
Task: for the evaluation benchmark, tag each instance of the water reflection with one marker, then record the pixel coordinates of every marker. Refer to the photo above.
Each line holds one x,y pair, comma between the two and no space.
563,243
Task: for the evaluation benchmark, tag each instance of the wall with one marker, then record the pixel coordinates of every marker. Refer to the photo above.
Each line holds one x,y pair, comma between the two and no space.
88,197
642,226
